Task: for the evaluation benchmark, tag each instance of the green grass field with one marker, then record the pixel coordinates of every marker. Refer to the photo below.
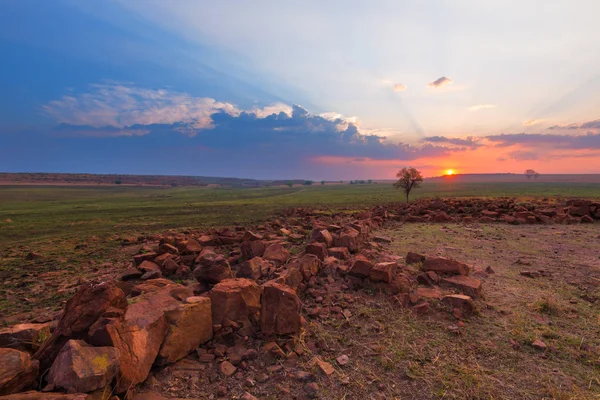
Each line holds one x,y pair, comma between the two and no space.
49,212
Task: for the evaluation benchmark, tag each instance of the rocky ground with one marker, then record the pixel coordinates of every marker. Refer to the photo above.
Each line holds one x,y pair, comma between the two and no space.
498,299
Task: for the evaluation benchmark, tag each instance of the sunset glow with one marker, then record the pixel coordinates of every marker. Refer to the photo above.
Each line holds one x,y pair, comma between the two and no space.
320,101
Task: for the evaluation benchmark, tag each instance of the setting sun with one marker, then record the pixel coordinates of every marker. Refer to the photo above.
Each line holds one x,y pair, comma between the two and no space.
449,172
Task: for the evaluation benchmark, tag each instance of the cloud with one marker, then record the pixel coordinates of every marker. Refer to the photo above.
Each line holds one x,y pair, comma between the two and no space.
440,82
399,87
481,107
523,155
590,125
588,141
277,131
533,122
468,141
120,106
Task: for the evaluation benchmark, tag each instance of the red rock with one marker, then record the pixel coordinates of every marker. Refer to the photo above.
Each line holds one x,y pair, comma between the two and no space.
251,249
322,236
312,389
81,311
342,360
349,238
167,248
341,253
139,336
234,299
466,284
318,249
280,310
307,264
323,366
149,266
25,336
252,269
131,274
276,253
140,258
190,326
290,277
190,246
382,239
539,345
383,272
414,258
430,293
227,369
17,371
361,267
251,236
445,266
80,367
462,302
212,268
169,267
421,308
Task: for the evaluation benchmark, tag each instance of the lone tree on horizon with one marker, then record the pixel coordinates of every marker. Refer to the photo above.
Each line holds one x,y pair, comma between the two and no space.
530,172
408,179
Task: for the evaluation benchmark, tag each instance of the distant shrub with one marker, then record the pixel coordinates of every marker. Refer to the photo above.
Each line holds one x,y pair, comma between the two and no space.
118,182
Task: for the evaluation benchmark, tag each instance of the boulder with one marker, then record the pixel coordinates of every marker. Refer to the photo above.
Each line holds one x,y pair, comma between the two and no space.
82,368
17,371
349,238
252,269
322,236
212,268
414,258
25,336
280,310
462,302
253,248
361,267
234,299
383,272
308,265
276,253
139,335
341,253
190,325
466,284
290,277
445,266
318,249
149,266
81,311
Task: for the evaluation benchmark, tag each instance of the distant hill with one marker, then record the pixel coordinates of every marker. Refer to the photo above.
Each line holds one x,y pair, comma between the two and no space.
135,180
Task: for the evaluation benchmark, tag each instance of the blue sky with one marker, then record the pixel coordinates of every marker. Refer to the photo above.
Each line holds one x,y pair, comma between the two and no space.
319,90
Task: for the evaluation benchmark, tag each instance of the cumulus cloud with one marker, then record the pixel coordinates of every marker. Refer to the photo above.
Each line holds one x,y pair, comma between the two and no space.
440,82
399,87
122,106
278,130
533,122
481,107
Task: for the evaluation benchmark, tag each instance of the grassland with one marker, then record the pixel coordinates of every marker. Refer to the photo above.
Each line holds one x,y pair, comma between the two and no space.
52,212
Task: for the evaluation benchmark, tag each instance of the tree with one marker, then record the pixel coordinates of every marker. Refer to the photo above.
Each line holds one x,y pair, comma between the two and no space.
290,184
531,173
370,181
307,183
322,182
408,179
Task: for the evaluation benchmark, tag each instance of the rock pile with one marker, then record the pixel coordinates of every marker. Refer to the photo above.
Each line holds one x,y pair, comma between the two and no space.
242,299
507,210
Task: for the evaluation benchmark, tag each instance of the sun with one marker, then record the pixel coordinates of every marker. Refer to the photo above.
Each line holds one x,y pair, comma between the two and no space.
449,172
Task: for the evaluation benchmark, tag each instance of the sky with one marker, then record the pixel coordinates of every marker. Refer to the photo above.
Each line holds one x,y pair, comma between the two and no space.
309,90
